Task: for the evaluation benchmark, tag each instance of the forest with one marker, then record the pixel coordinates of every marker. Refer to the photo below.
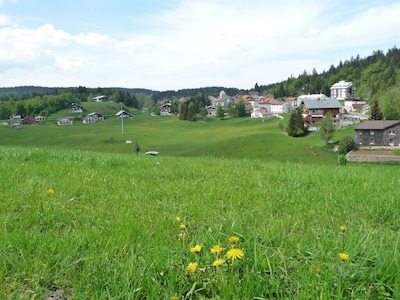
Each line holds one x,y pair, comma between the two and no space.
376,77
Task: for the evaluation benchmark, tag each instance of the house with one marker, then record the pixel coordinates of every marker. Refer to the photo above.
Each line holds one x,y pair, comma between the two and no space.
15,117
342,89
352,104
292,101
76,108
93,118
310,97
29,121
40,118
16,126
378,134
211,110
165,109
223,99
101,98
314,110
65,121
124,114
261,113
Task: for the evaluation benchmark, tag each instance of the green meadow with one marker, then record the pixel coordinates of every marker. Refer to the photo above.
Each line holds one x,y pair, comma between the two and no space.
83,217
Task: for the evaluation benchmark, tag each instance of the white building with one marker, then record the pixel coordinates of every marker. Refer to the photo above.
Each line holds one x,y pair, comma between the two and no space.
342,90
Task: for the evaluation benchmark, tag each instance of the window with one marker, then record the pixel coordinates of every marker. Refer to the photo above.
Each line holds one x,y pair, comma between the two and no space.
371,132
360,132
371,140
392,132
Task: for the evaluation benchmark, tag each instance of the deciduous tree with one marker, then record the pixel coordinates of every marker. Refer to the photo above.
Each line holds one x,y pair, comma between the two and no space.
390,104
327,128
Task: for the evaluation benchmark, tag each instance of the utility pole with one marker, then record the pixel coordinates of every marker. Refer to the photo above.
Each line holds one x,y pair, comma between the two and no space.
122,119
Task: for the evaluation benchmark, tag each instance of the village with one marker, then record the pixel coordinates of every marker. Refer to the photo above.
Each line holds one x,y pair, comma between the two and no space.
344,107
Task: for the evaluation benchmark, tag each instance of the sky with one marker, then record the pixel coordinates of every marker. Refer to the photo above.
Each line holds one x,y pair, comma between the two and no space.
178,44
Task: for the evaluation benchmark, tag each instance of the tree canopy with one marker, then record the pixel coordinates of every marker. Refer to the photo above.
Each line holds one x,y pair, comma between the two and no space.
296,126
327,128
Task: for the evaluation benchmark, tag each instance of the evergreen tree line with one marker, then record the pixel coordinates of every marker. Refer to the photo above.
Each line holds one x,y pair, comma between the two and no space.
372,76
195,105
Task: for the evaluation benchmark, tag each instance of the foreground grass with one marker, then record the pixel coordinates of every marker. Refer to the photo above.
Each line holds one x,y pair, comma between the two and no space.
104,226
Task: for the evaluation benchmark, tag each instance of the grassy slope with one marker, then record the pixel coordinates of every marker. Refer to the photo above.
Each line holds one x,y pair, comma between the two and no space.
109,230
235,138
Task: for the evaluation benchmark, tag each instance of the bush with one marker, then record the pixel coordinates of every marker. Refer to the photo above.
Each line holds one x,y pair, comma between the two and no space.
346,144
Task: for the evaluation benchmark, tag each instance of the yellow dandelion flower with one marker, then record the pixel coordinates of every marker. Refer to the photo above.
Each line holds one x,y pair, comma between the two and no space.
178,219
318,269
196,249
182,226
343,256
218,262
50,192
174,298
342,229
192,267
217,250
234,253
233,239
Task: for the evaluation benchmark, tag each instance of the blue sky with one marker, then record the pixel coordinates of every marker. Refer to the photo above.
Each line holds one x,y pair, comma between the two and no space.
170,45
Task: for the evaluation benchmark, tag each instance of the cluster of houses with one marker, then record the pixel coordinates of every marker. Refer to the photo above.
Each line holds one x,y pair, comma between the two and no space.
93,117
315,106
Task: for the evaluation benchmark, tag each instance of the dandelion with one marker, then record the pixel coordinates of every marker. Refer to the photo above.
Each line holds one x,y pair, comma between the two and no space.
191,267
174,298
196,249
217,250
342,229
178,219
343,256
318,269
50,192
233,239
234,253
218,262
182,226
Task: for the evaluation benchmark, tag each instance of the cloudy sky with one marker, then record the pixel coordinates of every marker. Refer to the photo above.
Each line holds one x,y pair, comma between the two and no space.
176,44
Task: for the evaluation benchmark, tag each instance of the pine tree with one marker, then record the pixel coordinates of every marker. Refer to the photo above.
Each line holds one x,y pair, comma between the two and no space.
191,112
376,113
296,126
184,111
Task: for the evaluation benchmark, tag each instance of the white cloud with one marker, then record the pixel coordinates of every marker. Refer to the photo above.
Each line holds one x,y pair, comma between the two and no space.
231,43
4,1
5,20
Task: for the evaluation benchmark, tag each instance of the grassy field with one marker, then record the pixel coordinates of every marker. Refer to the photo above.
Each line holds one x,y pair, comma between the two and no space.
231,138
104,226
104,223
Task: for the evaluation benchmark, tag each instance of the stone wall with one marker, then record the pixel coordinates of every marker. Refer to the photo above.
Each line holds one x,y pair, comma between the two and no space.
354,157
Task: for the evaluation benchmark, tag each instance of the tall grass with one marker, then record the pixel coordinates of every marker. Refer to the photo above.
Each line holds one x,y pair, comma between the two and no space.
104,226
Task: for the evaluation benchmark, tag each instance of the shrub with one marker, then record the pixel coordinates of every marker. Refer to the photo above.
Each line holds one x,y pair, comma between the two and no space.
346,144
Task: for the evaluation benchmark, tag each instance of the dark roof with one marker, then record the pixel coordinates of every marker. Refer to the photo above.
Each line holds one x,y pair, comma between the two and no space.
377,124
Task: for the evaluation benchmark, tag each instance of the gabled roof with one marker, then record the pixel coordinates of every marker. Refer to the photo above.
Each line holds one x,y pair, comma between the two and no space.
312,97
380,125
321,103
123,112
342,84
